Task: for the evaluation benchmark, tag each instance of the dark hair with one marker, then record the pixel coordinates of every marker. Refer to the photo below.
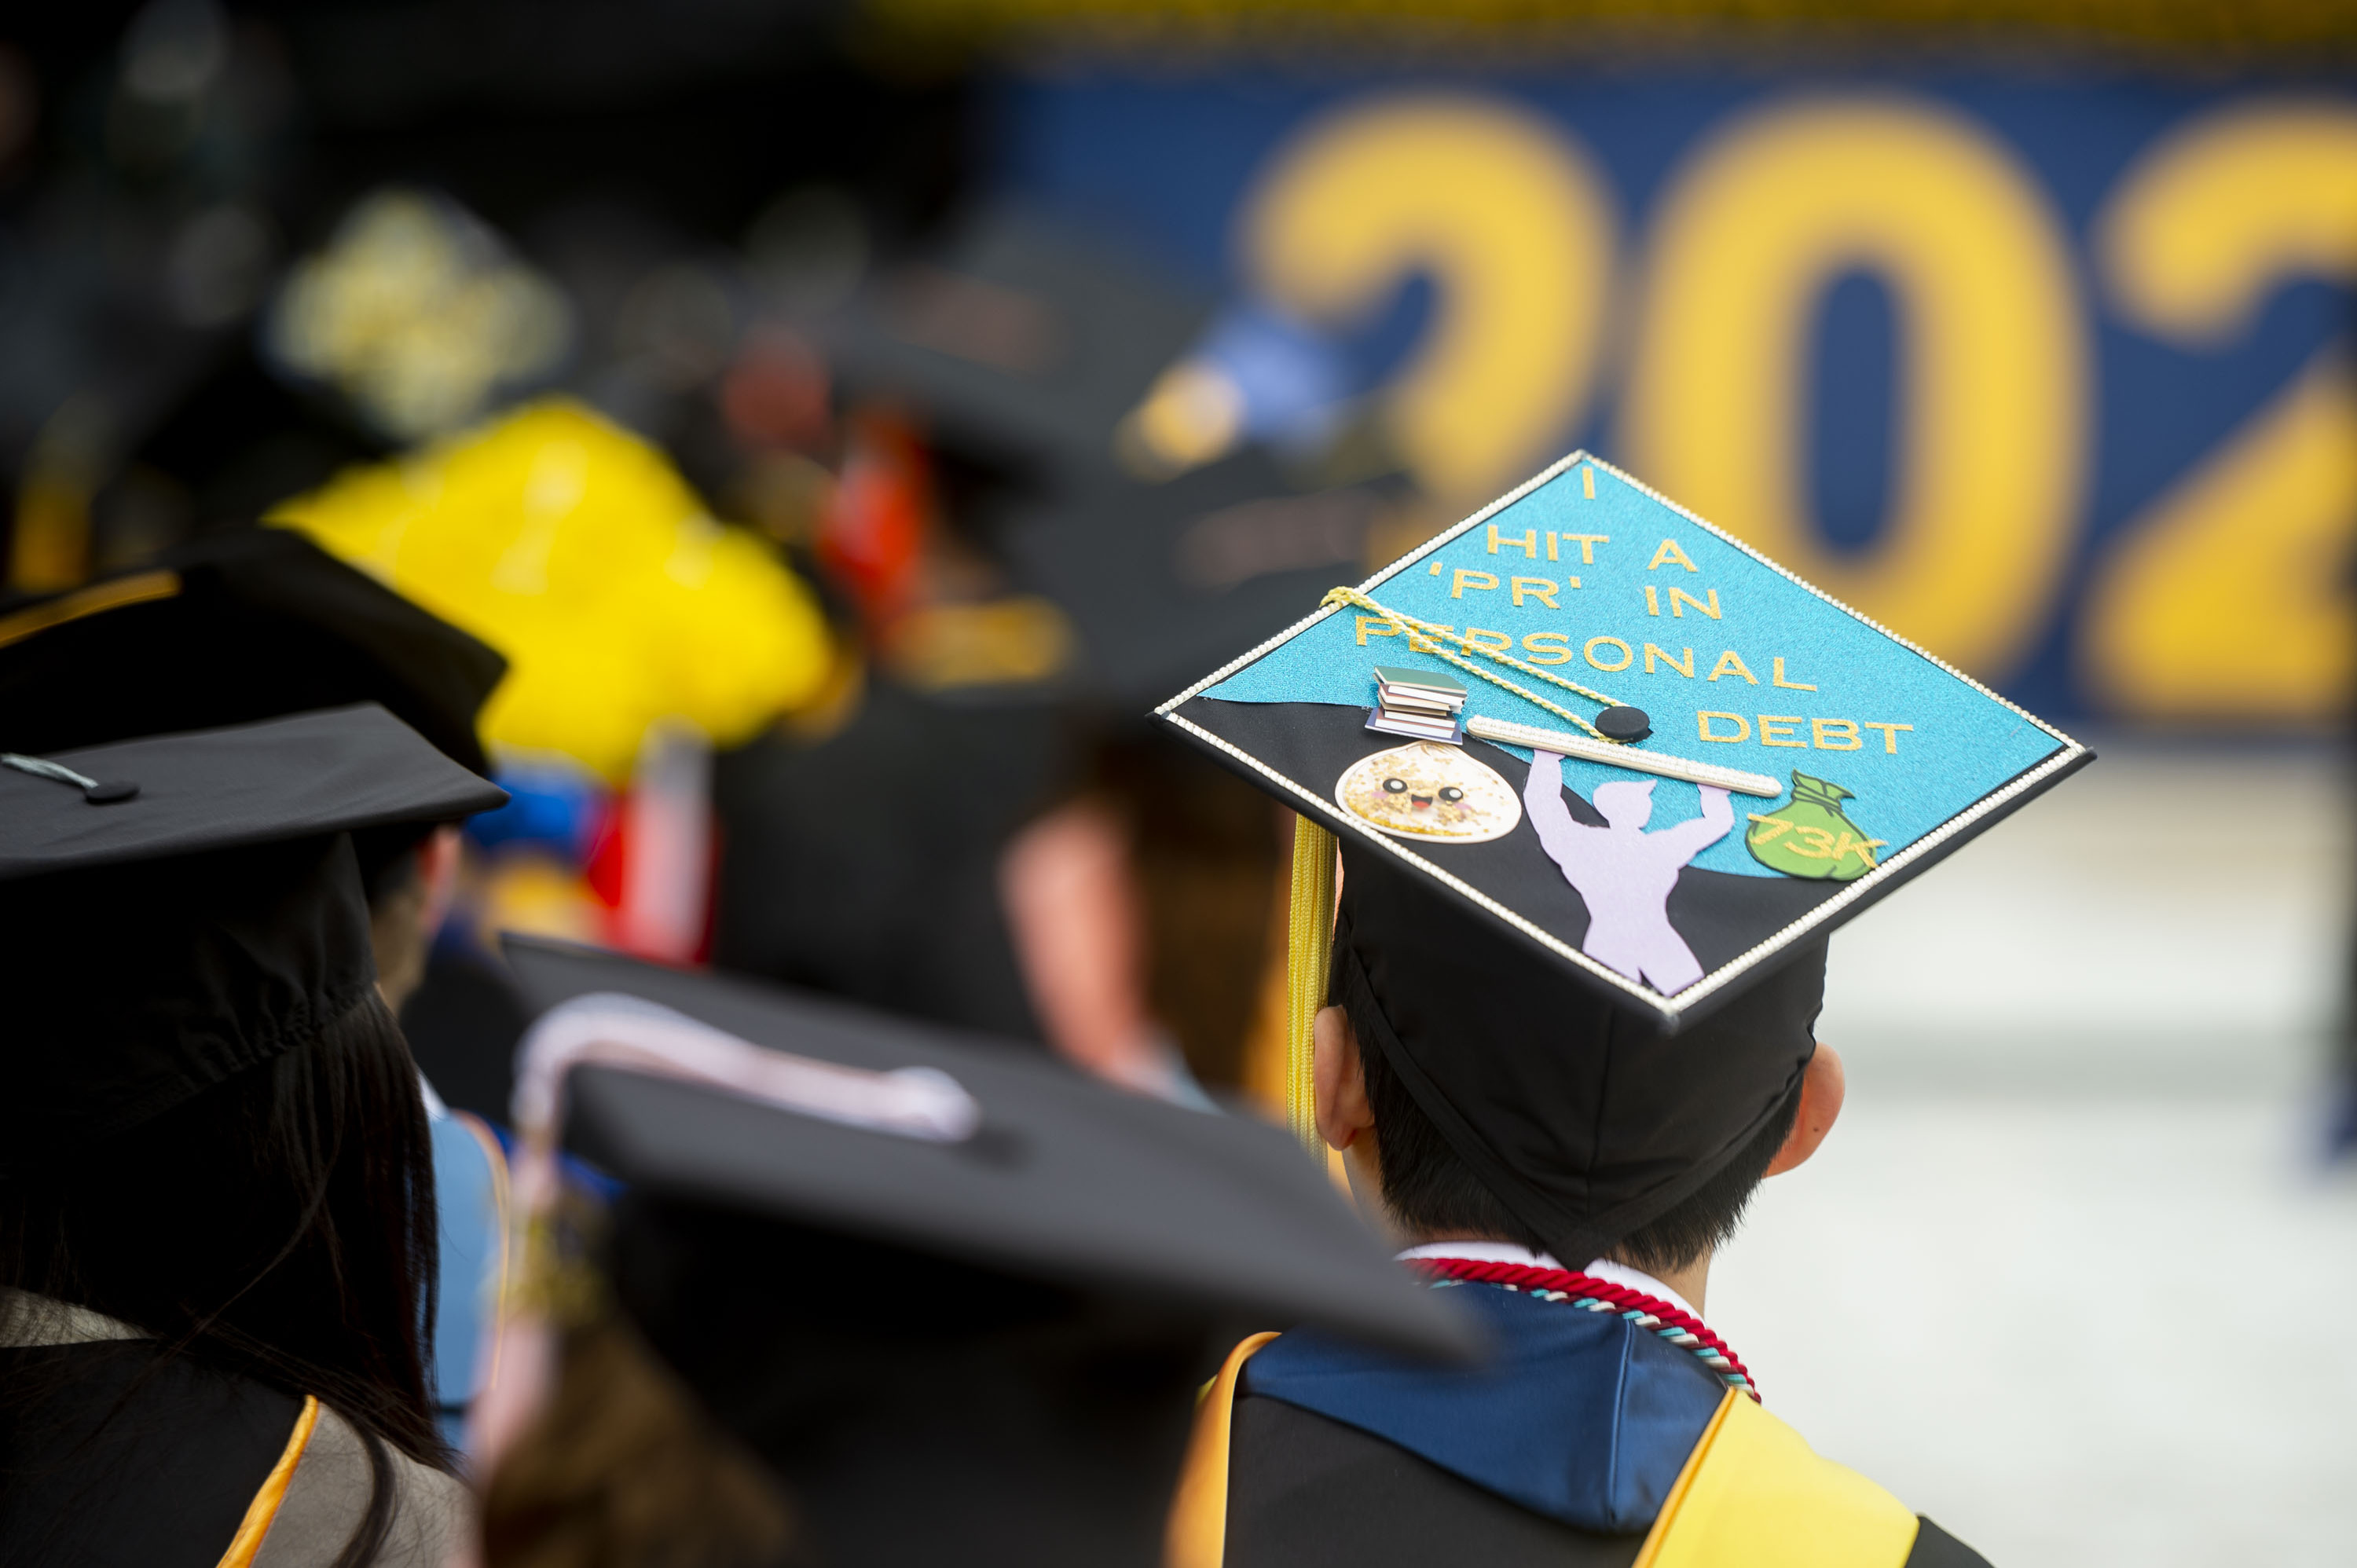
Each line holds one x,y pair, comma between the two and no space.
393,870
1204,848
279,1226
623,1466
1429,1189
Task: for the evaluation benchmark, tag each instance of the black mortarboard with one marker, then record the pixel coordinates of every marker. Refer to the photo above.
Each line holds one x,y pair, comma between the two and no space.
1583,913
1024,347
246,624
979,1345
1160,577
1018,339
206,917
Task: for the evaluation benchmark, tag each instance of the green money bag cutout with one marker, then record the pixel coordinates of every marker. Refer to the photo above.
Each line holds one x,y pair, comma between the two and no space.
1810,836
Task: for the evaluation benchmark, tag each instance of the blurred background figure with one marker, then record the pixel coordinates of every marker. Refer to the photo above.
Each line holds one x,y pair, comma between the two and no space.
846,417
877,1295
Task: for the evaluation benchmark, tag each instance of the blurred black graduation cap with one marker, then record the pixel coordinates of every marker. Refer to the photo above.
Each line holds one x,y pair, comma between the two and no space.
1160,578
981,1343
240,625
1023,346
1018,338
184,907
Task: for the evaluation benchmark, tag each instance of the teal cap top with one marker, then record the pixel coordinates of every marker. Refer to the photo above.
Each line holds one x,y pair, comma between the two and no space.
1795,760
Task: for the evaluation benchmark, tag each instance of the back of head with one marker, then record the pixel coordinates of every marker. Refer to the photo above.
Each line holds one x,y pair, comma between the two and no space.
239,626
210,1125
1507,1081
278,1225
917,1409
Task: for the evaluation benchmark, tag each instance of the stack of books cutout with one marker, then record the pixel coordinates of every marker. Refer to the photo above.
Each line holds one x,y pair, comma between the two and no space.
1421,703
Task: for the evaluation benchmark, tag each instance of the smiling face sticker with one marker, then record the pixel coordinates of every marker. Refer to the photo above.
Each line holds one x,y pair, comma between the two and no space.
1428,791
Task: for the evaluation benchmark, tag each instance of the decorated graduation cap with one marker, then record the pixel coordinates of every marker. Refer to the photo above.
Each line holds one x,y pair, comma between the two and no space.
234,627
1604,778
904,1264
182,909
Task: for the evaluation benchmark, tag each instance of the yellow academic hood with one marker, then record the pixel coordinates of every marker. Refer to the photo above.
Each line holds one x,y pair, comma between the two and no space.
577,551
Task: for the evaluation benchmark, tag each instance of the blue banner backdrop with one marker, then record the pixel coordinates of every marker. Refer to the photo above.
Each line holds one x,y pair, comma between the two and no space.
2044,372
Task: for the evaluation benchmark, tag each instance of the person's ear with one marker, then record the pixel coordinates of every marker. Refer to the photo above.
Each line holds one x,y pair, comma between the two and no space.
1341,1080
1820,1103
438,867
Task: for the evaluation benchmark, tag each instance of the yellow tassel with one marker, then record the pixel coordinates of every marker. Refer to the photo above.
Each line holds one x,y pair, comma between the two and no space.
1309,942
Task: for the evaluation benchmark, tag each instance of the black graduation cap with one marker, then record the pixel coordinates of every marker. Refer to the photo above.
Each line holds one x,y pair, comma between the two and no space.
241,625
1020,338
1160,577
1023,346
978,1342
1590,936
199,915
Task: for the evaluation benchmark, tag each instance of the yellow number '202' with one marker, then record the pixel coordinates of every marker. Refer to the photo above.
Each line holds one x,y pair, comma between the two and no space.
1991,454
1517,231
2227,597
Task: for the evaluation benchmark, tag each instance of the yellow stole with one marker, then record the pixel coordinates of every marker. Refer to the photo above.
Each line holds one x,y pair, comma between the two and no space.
263,1509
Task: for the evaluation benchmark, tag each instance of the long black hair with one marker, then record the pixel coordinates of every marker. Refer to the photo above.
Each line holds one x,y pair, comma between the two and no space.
279,1226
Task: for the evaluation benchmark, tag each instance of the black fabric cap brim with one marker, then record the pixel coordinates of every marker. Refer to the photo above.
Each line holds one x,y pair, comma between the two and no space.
1067,1180
337,770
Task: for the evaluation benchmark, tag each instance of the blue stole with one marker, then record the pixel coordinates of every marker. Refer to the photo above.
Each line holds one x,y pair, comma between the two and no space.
1578,1415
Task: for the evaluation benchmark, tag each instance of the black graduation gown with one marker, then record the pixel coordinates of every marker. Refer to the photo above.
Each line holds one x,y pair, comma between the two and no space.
1306,1490
113,1454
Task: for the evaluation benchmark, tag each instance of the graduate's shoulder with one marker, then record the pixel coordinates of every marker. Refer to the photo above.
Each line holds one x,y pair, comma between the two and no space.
1754,1495
115,1452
